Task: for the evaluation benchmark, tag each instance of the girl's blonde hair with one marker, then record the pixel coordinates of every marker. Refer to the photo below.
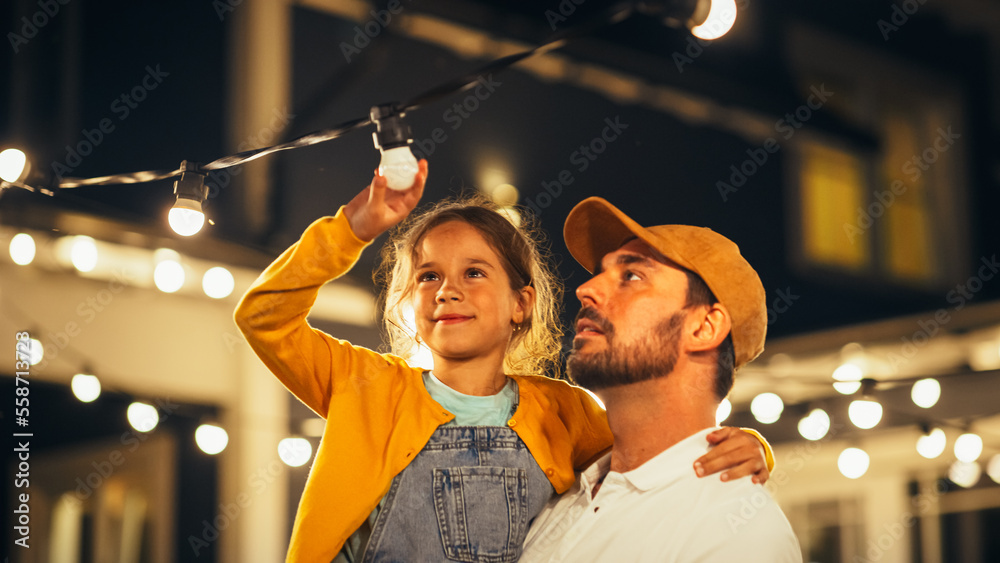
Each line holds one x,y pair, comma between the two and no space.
535,345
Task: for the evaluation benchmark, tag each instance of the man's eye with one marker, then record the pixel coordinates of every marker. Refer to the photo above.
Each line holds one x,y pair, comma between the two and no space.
631,276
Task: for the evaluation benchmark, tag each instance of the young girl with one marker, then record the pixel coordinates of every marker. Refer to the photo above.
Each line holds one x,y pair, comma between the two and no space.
417,465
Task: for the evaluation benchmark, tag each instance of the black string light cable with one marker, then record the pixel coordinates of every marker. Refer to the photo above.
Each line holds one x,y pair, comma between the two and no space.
608,17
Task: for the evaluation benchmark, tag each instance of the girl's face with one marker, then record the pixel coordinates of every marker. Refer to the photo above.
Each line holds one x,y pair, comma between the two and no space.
462,299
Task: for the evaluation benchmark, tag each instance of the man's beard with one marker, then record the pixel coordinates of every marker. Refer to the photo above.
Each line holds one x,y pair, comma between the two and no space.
653,357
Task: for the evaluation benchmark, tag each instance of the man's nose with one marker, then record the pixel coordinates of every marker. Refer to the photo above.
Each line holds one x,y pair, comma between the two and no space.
589,292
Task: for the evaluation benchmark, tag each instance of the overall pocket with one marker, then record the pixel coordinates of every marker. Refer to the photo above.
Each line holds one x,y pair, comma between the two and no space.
481,512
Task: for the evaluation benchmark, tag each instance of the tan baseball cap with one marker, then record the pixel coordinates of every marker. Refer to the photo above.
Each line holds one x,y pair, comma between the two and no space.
595,227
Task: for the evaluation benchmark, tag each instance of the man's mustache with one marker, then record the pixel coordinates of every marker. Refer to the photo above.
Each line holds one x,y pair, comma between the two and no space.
603,324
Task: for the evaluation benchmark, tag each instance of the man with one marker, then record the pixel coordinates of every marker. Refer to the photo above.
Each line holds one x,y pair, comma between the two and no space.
670,313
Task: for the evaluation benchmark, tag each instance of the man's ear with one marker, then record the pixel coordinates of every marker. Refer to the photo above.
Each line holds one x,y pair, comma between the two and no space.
711,325
525,304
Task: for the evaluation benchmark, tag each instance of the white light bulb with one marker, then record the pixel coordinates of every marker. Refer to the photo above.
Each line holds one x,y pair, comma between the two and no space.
932,445
865,414
218,283
168,276
399,167
142,416
295,452
721,17
211,439
993,469
815,425
87,388
84,253
35,351
968,447
184,219
12,164
723,412
848,378
22,249
853,463
767,407
926,392
965,473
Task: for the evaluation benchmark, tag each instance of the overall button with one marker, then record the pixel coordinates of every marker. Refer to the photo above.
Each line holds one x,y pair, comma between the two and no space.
512,423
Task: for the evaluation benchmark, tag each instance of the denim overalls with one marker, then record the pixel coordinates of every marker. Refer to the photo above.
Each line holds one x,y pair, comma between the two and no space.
469,495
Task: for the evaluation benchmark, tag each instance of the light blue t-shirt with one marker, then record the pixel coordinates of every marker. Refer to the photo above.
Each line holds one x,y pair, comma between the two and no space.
472,410
469,410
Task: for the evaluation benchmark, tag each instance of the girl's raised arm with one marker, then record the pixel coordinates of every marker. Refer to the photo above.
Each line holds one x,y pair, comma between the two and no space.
272,314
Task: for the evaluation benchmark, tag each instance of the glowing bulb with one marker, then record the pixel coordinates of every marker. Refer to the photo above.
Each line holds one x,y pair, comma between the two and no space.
965,473
143,416
723,412
211,439
993,469
186,217
87,388
767,407
35,351
721,17
815,425
12,164
168,276
22,249
218,283
295,452
926,392
84,253
932,445
848,378
853,463
968,447
865,414
399,167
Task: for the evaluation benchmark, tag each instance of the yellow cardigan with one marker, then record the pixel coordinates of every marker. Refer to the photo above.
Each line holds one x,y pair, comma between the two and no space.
378,413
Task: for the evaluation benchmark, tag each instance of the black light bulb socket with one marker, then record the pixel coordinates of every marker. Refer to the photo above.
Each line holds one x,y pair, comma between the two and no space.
868,387
390,129
191,184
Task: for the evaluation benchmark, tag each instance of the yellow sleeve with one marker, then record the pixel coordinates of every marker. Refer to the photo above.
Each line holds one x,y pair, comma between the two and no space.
768,452
272,315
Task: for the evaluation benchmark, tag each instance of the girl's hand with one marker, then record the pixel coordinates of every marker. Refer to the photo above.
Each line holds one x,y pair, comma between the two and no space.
737,452
377,208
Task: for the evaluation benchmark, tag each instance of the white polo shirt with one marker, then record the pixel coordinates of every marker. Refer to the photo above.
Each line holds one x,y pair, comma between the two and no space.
661,512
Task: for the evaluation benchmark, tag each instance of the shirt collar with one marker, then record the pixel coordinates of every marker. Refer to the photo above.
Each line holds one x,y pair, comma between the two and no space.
672,464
